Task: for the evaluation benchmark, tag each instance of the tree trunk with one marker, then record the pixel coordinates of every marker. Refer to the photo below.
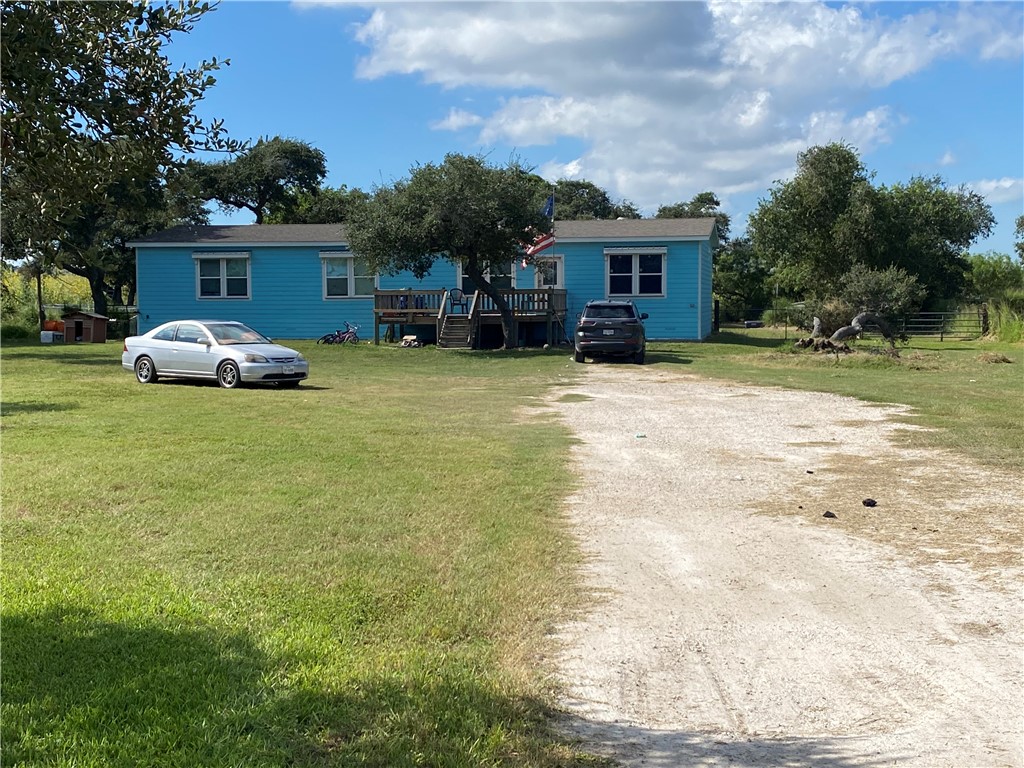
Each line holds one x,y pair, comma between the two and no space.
857,325
507,320
98,288
39,298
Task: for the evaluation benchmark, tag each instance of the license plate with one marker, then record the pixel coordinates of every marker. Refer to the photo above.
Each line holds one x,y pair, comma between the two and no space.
608,332
288,369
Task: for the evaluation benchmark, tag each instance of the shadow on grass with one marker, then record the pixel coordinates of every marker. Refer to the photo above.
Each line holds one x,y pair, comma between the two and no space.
119,693
63,357
8,409
749,340
670,749
79,688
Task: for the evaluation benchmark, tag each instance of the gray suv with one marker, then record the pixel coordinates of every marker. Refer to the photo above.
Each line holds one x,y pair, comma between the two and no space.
610,329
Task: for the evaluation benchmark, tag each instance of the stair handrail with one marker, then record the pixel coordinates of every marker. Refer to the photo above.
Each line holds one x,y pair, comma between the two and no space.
474,318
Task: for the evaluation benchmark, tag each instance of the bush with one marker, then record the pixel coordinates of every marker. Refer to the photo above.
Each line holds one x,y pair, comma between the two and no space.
16,331
890,293
1006,318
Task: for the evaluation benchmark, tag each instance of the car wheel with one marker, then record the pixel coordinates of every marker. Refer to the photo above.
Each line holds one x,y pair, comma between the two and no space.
145,371
288,384
638,357
228,375
579,357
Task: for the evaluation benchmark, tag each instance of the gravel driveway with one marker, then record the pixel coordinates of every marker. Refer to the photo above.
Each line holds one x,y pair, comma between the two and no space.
734,624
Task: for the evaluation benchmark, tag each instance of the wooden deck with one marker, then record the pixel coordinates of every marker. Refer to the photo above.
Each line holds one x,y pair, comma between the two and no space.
405,307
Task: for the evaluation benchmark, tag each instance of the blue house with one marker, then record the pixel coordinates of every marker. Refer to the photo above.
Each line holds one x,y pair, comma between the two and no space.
299,281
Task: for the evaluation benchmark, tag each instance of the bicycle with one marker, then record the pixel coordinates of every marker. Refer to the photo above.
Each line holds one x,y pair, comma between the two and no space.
349,336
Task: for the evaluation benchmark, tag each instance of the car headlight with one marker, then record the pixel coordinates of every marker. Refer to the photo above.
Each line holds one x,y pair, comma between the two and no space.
299,356
252,358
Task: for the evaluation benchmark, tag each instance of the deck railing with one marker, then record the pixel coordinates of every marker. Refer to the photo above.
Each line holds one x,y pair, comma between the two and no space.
528,301
522,300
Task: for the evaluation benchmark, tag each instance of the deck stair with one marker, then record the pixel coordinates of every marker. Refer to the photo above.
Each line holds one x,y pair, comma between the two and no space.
456,333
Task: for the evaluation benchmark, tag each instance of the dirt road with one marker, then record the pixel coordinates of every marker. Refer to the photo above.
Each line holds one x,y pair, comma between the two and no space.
735,625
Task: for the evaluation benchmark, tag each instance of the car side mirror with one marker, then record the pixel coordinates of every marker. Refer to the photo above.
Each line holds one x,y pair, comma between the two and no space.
579,315
644,315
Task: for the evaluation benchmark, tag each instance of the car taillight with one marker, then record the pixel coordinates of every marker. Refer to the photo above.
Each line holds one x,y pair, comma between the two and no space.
125,347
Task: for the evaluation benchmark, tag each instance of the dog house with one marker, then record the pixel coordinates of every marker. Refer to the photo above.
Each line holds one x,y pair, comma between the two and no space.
85,327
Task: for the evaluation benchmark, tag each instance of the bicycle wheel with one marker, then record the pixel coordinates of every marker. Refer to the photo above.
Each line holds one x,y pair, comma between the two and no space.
351,338
327,338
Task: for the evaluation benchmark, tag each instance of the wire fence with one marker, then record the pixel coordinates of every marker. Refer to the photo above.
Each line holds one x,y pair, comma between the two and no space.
956,325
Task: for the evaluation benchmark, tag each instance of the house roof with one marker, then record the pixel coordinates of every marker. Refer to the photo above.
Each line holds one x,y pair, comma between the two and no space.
246,234
616,229
333,234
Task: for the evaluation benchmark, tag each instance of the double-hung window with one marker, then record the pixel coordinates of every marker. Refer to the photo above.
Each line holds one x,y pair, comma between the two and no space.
223,275
635,271
503,279
346,276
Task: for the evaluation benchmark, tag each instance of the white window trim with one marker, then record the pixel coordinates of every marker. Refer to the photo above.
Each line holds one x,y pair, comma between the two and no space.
558,257
343,253
487,274
198,256
635,252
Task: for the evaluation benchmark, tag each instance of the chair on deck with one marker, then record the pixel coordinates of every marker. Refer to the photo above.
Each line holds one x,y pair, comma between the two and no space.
458,299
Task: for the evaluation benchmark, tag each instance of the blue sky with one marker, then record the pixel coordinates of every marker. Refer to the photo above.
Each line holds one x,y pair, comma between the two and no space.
654,102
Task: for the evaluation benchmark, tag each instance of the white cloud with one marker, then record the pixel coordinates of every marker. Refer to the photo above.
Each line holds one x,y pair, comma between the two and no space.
456,120
668,99
948,158
996,191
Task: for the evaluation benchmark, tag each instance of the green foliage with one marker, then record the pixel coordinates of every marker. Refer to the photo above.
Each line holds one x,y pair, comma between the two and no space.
13,331
993,275
890,293
926,229
1006,317
705,204
741,277
1018,234
89,99
19,300
813,229
265,177
321,206
579,200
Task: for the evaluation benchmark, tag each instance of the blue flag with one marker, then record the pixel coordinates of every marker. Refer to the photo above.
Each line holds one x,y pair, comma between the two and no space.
548,210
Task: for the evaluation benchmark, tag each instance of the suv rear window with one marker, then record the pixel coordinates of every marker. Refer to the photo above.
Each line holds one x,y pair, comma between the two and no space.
609,312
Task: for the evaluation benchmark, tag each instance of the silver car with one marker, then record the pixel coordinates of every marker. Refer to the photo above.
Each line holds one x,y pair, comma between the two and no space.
230,353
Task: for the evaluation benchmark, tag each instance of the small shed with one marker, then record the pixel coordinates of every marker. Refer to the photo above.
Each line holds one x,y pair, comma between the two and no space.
85,327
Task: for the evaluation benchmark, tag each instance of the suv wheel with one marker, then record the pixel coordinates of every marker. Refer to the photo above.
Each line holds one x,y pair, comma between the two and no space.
579,357
638,357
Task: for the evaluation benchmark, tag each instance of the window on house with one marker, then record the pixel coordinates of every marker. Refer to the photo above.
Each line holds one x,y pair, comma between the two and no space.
636,272
502,280
222,275
346,276
549,272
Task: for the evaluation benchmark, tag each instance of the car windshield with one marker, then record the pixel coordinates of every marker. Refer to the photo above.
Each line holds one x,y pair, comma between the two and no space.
236,333
610,312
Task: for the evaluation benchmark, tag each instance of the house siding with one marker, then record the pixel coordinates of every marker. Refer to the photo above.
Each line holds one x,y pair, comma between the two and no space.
676,315
286,287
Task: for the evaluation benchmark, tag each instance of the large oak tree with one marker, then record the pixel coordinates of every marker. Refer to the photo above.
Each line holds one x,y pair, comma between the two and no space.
91,101
463,211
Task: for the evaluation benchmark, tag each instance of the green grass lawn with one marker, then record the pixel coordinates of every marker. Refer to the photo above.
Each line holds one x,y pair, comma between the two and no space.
361,571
